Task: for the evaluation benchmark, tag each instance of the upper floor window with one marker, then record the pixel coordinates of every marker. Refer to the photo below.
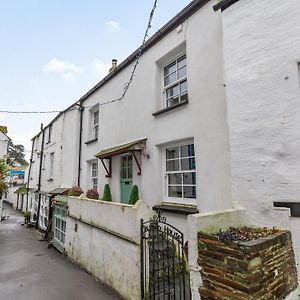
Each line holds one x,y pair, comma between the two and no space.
175,82
181,171
95,124
51,165
49,134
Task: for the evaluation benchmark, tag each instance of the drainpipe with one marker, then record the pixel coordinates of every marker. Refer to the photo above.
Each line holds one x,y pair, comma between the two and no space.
29,173
40,176
81,109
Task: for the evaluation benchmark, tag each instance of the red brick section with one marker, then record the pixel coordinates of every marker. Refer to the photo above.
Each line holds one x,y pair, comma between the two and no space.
259,269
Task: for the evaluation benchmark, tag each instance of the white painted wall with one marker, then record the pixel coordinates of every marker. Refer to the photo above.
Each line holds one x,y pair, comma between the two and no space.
3,145
203,119
115,260
64,144
261,55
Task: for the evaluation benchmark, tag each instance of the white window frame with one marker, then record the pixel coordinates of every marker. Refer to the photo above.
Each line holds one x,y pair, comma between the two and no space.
49,133
93,177
176,82
51,166
180,200
96,124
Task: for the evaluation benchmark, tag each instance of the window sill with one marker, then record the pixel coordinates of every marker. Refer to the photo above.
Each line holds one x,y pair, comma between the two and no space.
167,109
91,141
177,209
293,206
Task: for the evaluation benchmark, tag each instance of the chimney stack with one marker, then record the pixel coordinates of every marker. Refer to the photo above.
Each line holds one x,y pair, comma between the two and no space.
114,64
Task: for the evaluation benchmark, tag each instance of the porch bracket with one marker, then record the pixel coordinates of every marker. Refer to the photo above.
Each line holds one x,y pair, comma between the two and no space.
108,170
137,162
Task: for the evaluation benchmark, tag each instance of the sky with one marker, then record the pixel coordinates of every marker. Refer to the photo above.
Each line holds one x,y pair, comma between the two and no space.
53,51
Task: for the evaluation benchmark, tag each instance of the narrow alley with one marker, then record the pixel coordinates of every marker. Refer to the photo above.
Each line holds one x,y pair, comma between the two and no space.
29,270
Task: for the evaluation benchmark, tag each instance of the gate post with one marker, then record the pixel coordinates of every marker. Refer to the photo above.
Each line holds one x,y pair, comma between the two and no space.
142,260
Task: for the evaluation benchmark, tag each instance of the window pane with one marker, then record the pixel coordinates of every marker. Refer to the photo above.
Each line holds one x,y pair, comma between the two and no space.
173,165
129,172
124,173
173,153
173,101
181,73
170,78
181,61
187,150
189,178
96,117
188,164
175,191
175,178
130,160
189,192
184,97
183,86
124,161
170,68
174,90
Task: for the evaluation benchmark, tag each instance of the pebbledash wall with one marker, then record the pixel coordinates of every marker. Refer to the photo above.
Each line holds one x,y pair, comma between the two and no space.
261,45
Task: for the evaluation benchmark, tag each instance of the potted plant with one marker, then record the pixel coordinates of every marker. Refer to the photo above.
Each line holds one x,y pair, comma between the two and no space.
92,194
107,193
75,191
134,195
27,215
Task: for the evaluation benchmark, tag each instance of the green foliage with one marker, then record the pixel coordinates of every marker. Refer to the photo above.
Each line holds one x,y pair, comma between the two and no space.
107,193
16,154
134,195
92,194
3,187
75,191
3,169
3,174
27,215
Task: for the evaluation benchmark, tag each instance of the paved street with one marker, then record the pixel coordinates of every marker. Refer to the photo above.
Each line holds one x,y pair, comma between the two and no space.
31,271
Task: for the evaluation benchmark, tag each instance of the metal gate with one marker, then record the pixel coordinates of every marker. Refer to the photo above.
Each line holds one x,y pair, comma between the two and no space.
164,273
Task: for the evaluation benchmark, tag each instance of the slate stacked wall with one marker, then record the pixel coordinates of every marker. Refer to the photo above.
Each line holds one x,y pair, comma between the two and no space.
259,269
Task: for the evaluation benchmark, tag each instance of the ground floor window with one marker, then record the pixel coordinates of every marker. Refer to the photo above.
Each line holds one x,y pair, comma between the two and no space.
60,224
181,171
94,175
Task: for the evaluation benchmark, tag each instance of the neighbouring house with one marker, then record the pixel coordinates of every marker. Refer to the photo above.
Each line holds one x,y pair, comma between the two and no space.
3,141
53,164
16,192
207,131
261,49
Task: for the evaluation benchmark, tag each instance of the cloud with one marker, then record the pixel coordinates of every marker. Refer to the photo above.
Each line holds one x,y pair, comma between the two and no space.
65,68
102,68
113,26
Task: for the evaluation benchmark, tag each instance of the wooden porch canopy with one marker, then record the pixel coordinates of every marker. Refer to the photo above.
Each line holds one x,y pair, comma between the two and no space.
131,147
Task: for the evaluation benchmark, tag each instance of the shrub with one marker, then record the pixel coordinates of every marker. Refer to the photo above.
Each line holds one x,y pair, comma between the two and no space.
134,195
92,194
107,193
75,191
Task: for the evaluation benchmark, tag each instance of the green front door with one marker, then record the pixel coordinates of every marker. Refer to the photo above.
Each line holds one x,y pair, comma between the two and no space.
126,177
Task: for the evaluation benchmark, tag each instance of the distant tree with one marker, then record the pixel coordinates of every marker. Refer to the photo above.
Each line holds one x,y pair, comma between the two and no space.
16,154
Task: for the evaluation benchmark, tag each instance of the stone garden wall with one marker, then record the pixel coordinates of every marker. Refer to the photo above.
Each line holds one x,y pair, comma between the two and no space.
258,269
